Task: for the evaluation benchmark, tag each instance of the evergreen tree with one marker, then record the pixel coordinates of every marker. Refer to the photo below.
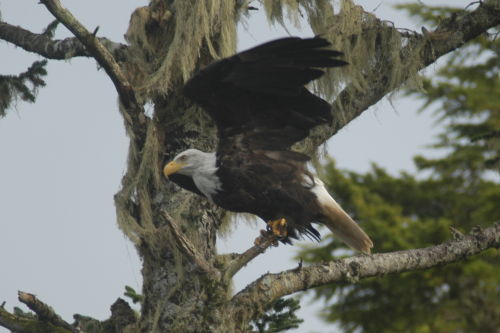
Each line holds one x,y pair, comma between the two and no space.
458,191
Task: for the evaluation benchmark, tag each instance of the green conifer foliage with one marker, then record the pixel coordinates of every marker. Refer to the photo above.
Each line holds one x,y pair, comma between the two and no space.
23,86
279,317
459,190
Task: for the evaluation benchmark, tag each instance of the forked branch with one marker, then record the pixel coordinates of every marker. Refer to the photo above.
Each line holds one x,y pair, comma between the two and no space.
103,57
270,287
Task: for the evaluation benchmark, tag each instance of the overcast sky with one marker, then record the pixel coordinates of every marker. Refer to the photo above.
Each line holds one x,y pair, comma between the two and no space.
62,160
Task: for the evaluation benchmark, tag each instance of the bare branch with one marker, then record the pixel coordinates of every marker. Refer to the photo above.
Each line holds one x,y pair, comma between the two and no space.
21,324
44,45
188,248
241,260
46,320
10,321
44,312
103,57
451,34
270,287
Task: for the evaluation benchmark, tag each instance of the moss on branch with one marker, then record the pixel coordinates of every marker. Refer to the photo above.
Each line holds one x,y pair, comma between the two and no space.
23,324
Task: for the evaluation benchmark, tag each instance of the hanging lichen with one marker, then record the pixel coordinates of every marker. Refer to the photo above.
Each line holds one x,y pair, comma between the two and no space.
140,175
275,11
169,39
372,47
167,42
366,41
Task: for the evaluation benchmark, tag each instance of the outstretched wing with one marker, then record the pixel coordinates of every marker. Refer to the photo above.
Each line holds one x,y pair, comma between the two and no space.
257,97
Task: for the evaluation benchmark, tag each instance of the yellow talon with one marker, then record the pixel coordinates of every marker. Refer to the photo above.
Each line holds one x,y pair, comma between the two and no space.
278,227
276,230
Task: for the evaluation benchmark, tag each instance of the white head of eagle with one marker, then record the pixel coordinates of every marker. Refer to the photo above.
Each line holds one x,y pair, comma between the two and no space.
198,165
261,107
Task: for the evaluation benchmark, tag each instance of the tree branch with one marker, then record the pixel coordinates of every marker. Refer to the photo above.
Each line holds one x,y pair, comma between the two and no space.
25,85
46,320
126,92
188,248
24,324
58,49
44,312
270,287
451,34
241,260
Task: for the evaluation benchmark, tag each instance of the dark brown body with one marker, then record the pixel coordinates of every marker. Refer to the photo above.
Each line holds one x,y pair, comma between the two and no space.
271,186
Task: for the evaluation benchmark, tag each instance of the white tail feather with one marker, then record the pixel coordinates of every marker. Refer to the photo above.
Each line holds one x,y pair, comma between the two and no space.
339,222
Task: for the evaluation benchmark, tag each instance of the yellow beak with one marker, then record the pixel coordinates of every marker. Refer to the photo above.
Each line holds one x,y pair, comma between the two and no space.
172,168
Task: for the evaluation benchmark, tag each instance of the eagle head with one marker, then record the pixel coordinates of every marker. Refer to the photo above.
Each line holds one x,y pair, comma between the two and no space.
187,163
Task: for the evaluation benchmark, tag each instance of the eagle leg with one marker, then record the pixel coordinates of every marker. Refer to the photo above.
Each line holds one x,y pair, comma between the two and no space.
278,228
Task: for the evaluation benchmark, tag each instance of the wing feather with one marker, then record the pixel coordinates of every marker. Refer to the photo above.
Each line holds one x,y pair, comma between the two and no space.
257,97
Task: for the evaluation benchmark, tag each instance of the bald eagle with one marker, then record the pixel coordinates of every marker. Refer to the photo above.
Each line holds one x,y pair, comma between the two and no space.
261,108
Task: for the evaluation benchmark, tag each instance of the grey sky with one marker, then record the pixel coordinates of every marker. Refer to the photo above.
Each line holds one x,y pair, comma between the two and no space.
62,160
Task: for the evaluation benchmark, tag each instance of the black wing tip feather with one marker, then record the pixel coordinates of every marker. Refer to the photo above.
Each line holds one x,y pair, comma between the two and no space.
309,232
288,54
295,42
263,88
313,51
